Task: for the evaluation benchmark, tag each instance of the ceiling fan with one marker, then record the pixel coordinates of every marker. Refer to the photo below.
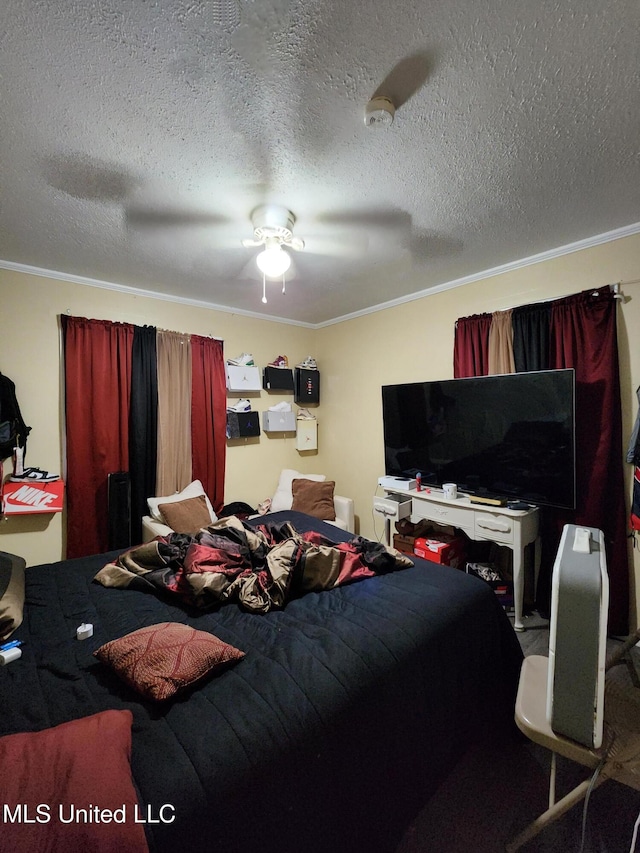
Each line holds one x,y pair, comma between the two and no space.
273,229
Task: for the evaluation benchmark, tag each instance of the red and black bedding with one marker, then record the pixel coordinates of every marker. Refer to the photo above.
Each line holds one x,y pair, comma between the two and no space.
336,716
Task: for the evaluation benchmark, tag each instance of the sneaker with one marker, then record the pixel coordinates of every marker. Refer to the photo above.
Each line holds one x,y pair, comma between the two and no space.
243,405
281,407
34,475
280,361
308,364
244,360
305,415
264,507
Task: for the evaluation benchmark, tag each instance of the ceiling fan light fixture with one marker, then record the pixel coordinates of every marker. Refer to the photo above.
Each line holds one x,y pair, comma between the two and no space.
273,261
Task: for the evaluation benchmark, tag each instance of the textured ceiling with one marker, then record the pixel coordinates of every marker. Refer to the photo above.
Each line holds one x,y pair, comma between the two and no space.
137,138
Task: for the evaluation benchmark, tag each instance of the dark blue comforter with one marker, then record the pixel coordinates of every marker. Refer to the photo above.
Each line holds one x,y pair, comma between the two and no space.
348,710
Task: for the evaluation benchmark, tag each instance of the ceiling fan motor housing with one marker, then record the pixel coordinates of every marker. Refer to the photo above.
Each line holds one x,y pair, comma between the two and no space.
272,220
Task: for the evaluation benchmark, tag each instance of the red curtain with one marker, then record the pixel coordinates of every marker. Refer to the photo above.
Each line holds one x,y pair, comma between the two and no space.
208,416
583,336
97,362
471,346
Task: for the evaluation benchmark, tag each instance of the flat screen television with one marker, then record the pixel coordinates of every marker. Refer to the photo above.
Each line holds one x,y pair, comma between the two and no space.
511,435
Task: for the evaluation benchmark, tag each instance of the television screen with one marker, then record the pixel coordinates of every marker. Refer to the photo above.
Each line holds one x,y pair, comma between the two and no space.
511,435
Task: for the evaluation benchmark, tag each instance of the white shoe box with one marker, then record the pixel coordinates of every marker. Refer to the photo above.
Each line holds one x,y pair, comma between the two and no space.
279,421
306,435
398,483
242,378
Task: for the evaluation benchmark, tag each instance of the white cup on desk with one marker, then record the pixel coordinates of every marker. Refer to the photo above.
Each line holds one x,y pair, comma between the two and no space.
450,491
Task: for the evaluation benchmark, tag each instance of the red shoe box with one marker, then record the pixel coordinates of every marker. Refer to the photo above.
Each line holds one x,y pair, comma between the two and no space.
29,498
446,550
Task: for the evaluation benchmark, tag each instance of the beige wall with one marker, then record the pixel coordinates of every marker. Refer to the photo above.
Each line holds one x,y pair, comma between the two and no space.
414,342
410,342
30,356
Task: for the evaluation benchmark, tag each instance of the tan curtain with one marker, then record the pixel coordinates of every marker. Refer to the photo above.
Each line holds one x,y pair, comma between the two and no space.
501,358
174,412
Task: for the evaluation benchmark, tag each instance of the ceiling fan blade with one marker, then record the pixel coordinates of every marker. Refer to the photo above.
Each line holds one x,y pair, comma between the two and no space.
368,219
149,218
337,246
250,243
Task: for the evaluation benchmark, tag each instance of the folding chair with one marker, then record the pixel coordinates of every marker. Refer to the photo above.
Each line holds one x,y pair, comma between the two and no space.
618,758
569,703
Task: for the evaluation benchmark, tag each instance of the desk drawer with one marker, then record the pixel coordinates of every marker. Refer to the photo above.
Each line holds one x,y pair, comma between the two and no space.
493,526
444,514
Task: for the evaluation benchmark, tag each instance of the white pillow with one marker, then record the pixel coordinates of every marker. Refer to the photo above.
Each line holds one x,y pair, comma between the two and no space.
191,491
283,497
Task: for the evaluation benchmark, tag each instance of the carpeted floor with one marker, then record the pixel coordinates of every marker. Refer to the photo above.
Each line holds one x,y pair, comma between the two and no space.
501,786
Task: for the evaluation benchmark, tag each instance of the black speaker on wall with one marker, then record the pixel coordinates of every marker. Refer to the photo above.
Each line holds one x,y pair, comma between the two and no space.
119,499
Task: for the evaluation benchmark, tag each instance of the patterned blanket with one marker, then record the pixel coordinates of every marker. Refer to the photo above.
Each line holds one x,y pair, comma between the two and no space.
259,567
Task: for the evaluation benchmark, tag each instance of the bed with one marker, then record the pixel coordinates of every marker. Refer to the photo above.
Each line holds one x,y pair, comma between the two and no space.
349,708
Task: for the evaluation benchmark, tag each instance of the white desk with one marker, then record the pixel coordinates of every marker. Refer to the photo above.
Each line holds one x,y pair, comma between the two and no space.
513,528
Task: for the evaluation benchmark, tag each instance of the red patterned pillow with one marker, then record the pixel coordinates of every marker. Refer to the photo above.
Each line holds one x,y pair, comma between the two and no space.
162,659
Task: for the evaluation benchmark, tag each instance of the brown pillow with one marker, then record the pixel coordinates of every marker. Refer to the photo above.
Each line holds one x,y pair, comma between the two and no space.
162,659
186,516
11,593
315,499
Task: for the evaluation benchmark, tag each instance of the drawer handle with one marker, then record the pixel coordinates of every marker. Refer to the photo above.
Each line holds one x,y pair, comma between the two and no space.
490,524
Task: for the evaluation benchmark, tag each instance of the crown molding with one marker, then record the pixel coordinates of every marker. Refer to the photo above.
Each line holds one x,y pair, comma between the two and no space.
550,254
151,294
599,239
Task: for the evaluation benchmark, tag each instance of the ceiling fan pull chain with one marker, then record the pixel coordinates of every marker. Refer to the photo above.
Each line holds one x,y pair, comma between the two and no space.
264,288
283,288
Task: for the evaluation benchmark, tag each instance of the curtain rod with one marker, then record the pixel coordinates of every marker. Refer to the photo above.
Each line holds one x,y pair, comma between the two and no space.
189,334
615,287
128,322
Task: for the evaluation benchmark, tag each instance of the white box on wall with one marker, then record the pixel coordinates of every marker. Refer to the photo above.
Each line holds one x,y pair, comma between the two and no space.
278,421
242,378
307,435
